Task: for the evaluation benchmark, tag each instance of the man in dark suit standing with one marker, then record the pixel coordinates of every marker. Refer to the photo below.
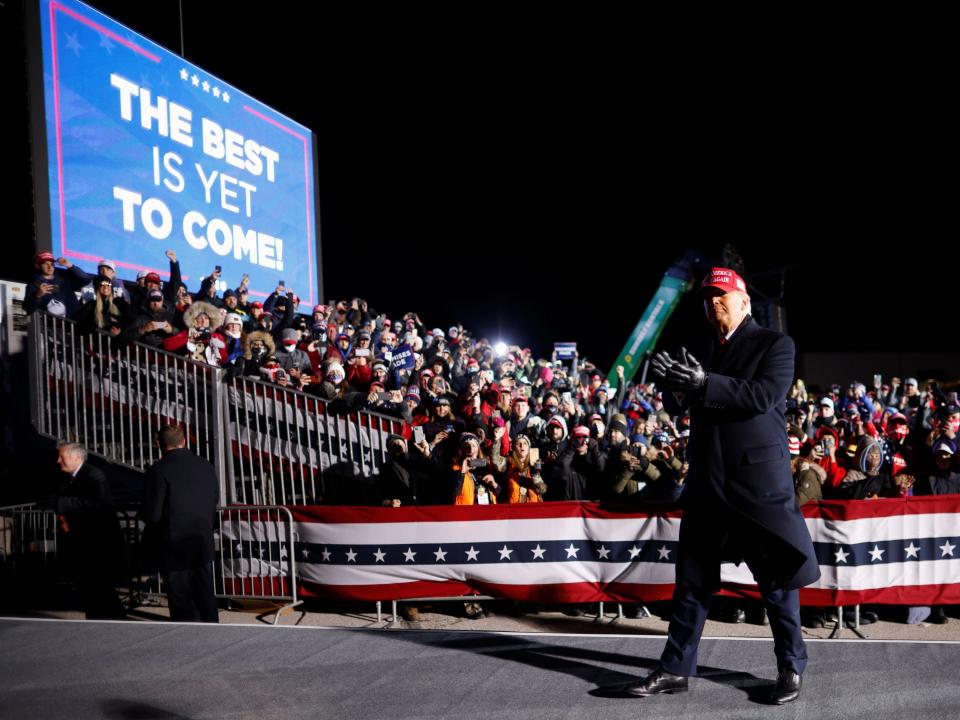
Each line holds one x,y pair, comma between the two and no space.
739,500
180,500
91,543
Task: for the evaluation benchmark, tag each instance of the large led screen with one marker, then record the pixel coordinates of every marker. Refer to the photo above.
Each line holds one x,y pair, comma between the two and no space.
147,152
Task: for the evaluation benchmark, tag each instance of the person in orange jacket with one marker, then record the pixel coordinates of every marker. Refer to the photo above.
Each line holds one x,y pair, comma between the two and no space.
524,483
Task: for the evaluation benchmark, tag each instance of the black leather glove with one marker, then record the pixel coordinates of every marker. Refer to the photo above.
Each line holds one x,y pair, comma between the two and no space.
686,374
661,364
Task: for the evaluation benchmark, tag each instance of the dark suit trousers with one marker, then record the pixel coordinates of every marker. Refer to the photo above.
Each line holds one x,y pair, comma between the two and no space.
190,595
690,612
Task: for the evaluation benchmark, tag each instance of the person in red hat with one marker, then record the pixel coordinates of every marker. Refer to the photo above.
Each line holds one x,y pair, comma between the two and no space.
54,289
151,281
739,501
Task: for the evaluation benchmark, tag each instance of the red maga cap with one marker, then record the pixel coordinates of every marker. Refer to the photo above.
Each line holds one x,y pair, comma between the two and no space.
724,279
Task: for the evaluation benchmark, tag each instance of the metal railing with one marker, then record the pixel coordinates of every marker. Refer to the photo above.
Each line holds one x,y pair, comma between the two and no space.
286,448
256,556
268,444
27,532
112,400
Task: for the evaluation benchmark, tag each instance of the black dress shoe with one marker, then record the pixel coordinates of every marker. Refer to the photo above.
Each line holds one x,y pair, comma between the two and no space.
787,688
659,681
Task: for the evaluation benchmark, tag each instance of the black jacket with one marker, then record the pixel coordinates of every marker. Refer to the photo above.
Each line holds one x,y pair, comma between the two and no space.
739,493
180,498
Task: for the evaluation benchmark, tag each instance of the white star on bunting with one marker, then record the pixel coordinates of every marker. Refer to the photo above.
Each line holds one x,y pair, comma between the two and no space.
505,553
572,552
351,555
876,553
663,552
538,552
912,551
634,552
602,552
379,555
440,555
947,549
472,554
841,556
409,555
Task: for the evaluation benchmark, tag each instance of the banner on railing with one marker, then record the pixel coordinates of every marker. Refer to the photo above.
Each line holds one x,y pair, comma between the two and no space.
268,421
113,399
895,551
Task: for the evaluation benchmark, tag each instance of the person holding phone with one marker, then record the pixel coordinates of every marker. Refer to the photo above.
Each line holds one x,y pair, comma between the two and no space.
471,481
524,483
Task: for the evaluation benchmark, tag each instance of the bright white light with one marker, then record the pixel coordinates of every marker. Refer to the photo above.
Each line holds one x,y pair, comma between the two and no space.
501,348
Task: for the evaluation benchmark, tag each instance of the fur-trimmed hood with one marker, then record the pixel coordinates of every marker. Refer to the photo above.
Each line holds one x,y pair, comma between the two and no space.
262,335
201,308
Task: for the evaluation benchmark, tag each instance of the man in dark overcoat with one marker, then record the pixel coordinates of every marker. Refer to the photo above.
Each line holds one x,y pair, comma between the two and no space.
180,498
739,499
91,543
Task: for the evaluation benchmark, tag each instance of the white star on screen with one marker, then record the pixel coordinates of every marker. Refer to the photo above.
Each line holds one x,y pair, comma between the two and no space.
216,91
602,552
206,86
184,74
876,553
947,549
841,556
663,552
472,554
74,44
912,551
409,555
440,555
379,555
106,44
538,552
195,80
226,97
505,553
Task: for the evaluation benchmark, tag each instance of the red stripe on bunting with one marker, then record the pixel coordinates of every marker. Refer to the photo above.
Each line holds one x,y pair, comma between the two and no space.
460,513
840,510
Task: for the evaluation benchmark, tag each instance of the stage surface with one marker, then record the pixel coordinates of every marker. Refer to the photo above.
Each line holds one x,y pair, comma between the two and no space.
55,670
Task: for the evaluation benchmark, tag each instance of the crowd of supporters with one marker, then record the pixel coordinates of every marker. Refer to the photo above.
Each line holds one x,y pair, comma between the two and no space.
491,425
500,427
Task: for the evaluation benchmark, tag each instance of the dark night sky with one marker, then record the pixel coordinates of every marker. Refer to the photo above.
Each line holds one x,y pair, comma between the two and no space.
535,179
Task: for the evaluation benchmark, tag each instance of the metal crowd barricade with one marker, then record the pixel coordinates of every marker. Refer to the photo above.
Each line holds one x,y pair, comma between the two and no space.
256,556
112,399
143,584
28,534
285,447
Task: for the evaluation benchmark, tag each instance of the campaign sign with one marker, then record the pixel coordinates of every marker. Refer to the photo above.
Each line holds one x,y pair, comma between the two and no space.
565,350
148,152
403,358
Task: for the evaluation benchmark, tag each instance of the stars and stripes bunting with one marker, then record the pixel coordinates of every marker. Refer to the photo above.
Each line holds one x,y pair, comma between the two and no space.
897,551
